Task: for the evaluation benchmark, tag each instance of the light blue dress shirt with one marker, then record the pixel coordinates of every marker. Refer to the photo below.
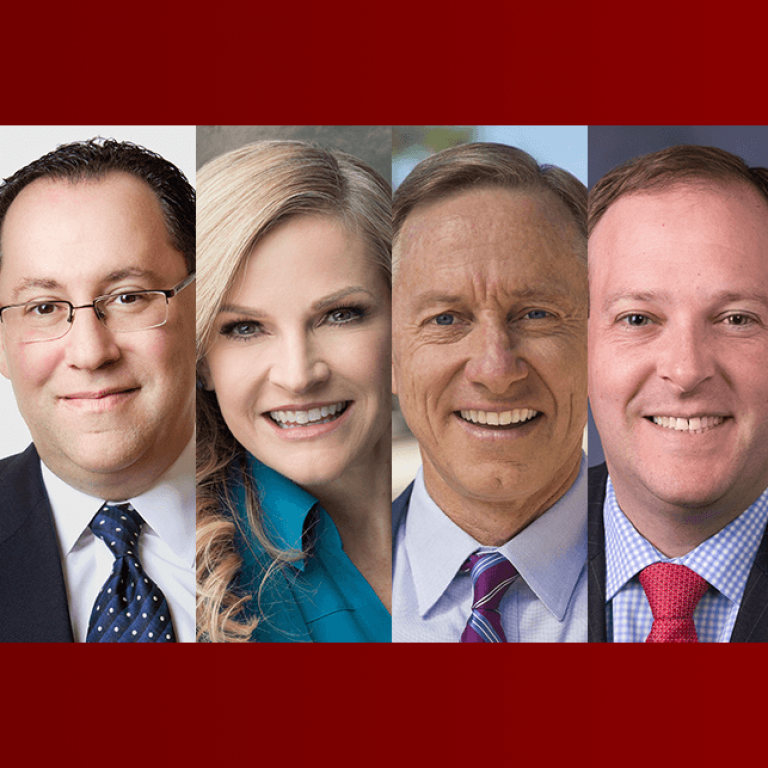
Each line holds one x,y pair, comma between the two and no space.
724,560
431,600
320,598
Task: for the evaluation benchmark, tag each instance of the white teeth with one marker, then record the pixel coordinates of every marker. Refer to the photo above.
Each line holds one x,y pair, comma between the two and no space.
312,416
694,424
499,418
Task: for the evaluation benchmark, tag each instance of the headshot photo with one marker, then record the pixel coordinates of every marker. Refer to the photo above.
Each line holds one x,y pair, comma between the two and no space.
678,386
294,408
489,366
97,310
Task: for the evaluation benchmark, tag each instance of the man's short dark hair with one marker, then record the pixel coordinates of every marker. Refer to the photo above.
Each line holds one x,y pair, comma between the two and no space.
94,159
680,164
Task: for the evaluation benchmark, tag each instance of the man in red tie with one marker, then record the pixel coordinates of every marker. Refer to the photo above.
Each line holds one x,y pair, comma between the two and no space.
678,343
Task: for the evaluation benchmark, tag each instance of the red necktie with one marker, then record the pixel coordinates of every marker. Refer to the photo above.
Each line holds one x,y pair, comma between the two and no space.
673,592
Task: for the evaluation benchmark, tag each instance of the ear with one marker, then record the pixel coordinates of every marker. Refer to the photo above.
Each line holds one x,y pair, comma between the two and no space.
204,380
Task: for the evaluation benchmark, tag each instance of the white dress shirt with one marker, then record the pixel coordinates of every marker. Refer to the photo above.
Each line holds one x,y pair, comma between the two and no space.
431,600
166,544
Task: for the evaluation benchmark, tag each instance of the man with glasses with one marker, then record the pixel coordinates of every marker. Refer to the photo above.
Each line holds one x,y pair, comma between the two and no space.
97,314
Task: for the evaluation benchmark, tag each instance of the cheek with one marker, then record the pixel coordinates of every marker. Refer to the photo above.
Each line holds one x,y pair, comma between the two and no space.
364,361
562,364
31,365
234,378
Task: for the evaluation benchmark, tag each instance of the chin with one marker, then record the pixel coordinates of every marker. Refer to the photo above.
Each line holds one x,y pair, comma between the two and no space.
690,490
495,484
306,474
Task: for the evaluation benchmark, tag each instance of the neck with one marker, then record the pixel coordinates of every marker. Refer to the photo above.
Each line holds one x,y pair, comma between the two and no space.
121,484
674,529
493,522
360,505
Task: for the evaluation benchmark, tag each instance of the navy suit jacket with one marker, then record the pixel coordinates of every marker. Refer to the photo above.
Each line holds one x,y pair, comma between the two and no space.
752,620
33,595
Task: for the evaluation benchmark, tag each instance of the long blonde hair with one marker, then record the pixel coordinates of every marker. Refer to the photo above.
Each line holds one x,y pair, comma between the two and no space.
241,196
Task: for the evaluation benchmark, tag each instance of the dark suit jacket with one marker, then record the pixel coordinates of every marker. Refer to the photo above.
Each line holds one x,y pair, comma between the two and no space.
752,620
399,508
33,595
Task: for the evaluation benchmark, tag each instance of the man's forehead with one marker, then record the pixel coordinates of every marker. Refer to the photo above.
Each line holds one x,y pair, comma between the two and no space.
96,231
680,199
486,212
490,231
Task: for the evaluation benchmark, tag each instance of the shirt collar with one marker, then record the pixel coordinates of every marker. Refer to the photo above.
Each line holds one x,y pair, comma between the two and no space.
167,508
284,507
549,554
724,559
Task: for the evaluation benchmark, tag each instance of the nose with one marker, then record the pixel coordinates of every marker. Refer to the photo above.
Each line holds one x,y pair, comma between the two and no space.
686,358
299,366
495,362
89,344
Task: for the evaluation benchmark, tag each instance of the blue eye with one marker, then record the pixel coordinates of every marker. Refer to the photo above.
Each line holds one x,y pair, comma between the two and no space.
537,314
241,329
444,319
343,315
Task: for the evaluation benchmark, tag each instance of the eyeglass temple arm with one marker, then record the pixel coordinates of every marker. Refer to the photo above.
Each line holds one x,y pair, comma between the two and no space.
181,286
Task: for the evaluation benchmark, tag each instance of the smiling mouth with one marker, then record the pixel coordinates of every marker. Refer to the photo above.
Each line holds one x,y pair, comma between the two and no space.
96,396
506,419
694,426
309,418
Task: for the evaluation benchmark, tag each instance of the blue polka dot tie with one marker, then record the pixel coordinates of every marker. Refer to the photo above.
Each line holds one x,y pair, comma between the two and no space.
130,607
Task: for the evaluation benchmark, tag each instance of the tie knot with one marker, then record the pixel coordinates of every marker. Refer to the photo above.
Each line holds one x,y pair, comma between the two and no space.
492,575
118,526
673,590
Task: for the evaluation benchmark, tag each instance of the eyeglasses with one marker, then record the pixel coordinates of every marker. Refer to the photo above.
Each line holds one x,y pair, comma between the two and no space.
119,312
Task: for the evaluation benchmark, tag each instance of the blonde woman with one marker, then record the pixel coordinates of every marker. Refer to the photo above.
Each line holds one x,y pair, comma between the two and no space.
294,404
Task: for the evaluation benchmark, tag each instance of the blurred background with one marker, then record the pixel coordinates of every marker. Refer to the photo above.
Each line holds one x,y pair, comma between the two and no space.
610,145
564,146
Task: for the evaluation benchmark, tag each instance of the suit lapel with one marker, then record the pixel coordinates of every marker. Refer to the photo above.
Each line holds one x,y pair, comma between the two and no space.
596,632
752,621
399,508
33,595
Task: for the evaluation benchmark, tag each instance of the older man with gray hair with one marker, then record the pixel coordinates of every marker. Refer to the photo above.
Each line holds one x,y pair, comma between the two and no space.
490,367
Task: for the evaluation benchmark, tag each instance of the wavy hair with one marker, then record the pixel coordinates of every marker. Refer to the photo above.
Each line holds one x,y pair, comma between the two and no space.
241,196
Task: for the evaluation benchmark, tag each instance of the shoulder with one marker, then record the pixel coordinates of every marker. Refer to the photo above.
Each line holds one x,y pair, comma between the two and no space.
20,475
21,490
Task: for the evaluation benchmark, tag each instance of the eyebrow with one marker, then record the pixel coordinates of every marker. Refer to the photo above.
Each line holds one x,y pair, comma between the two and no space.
33,283
643,296
49,284
122,274
320,304
720,297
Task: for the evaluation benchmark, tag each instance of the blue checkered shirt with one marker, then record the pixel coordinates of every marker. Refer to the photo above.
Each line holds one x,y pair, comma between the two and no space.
724,560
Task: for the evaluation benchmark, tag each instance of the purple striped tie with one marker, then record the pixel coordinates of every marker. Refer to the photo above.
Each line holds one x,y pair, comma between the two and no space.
492,576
